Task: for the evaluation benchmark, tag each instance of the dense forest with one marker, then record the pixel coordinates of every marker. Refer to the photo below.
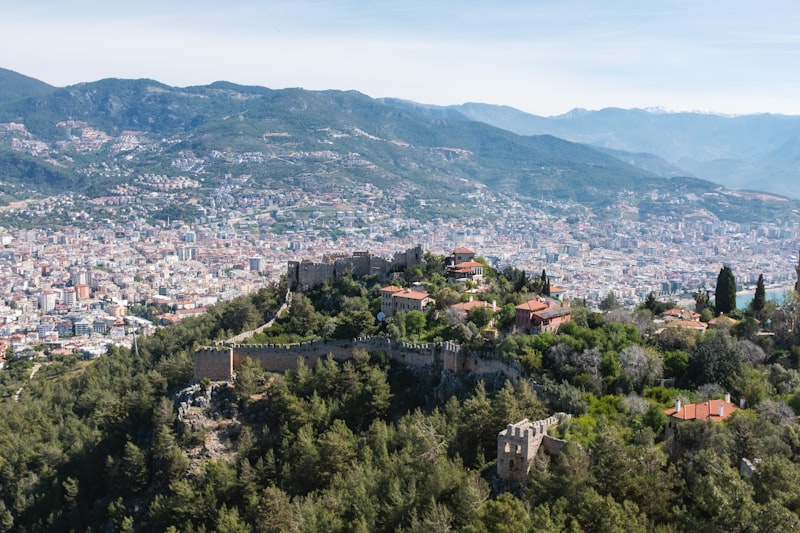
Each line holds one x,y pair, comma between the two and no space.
126,441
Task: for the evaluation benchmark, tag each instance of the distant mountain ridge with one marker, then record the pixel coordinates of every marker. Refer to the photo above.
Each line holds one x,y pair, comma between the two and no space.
758,152
16,86
93,136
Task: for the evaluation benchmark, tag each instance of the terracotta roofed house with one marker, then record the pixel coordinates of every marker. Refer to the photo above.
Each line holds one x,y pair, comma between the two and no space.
542,314
462,255
680,314
722,320
468,270
462,309
714,410
394,299
387,306
688,324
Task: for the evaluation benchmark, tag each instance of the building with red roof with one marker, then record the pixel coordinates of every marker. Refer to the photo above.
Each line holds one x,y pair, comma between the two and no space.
394,299
680,314
462,255
468,270
461,266
542,314
714,410
460,310
722,320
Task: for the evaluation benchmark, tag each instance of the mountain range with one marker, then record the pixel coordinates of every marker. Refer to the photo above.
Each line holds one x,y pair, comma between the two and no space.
755,152
90,137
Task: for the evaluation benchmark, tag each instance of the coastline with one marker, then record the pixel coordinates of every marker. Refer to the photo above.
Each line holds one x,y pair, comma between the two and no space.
767,288
774,293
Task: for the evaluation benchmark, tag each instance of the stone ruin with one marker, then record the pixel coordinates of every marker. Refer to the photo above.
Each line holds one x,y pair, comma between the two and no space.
518,444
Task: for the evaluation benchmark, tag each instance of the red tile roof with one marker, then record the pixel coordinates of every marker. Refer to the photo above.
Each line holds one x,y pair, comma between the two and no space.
532,305
391,288
684,314
462,250
703,411
722,319
411,295
469,306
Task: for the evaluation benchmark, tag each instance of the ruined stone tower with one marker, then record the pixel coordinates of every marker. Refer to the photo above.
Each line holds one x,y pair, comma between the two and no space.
518,444
516,449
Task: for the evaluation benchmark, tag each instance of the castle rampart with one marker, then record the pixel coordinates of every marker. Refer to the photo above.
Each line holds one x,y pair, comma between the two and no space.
213,363
221,363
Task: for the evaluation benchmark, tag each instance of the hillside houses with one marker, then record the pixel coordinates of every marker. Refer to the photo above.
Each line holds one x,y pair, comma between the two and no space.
395,299
713,410
461,310
462,267
542,314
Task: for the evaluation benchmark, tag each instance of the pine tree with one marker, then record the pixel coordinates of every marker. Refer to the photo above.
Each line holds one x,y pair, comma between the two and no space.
760,297
725,296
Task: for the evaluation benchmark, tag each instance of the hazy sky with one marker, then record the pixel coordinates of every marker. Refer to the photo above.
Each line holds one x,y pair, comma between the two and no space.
544,57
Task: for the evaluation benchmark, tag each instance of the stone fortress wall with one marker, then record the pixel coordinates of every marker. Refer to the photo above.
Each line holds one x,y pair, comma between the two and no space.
220,363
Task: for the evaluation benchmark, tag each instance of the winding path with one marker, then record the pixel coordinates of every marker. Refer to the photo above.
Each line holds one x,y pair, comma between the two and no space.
247,334
34,370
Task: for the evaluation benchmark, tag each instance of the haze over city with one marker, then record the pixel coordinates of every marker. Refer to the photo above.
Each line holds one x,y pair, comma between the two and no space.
541,57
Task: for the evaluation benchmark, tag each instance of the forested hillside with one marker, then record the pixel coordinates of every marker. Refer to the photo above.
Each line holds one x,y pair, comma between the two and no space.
125,442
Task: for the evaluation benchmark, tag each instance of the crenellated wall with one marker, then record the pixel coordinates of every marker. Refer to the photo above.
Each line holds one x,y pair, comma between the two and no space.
486,364
221,363
282,357
304,274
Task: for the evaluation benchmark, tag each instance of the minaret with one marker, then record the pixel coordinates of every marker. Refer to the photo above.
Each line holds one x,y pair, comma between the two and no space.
797,269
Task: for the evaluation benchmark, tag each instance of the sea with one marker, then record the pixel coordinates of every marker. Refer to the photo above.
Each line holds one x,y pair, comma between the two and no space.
775,294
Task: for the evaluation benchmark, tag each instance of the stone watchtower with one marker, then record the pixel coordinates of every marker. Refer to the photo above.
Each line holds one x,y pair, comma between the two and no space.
517,446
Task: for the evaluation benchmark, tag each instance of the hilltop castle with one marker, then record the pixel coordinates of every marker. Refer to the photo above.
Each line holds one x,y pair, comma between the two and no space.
304,274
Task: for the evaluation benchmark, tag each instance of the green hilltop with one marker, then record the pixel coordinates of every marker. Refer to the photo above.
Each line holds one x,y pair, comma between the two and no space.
126,442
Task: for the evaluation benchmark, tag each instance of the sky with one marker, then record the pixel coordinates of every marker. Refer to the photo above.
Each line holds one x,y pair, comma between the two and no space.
542,57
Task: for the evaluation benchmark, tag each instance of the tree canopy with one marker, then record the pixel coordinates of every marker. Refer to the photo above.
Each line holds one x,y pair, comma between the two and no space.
127,442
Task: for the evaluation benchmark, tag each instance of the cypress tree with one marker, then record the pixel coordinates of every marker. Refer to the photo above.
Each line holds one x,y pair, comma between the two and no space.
725,296
545,284
760,297
522,282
